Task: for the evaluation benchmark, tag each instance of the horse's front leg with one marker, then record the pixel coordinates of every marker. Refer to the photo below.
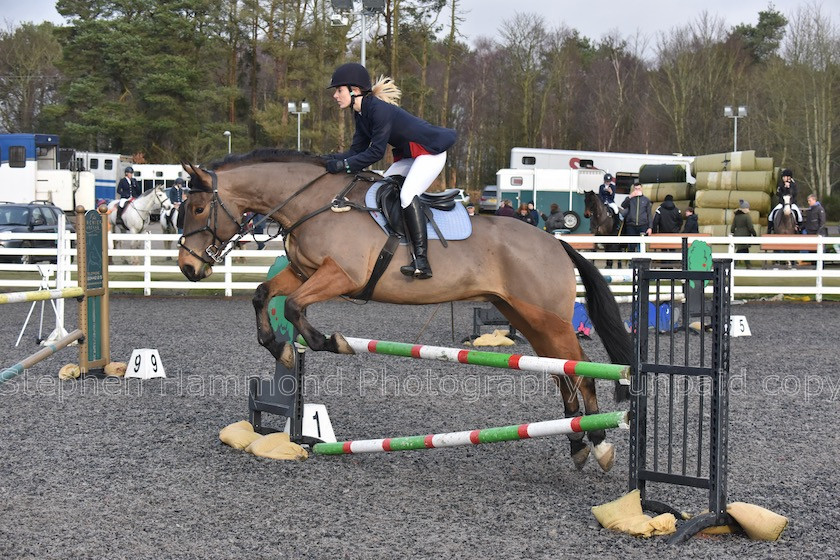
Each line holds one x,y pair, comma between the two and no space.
329,281
282,284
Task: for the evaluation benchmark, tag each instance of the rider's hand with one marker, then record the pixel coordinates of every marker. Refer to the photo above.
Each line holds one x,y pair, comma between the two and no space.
336,166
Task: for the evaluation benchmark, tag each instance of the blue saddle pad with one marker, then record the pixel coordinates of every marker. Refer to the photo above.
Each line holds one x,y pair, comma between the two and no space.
454,224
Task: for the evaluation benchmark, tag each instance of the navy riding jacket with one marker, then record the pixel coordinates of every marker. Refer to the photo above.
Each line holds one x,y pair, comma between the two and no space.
380,123
129,188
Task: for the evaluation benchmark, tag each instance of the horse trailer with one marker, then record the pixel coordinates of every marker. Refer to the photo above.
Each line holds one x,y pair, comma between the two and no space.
563,176
29,171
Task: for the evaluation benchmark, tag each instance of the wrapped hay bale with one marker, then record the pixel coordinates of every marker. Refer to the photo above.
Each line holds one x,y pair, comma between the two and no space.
761,181
764,164
718,216
680,204
658,191
730,161
662,173
759,201
719,230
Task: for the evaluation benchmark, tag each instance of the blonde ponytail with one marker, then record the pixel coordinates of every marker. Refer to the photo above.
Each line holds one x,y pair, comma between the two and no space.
386,90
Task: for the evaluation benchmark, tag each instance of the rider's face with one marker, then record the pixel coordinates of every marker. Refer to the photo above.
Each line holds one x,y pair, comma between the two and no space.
342,96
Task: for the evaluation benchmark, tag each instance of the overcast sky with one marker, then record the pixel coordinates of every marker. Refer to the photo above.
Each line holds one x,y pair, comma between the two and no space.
593,18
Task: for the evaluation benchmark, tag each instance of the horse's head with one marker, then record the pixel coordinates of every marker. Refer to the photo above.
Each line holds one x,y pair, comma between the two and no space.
786,204
590,200
161,199
210,222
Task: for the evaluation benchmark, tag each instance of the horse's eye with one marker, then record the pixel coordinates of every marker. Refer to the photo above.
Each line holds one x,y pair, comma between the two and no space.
199,209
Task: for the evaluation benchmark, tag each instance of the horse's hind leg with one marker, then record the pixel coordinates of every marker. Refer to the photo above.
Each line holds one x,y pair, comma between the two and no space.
553,337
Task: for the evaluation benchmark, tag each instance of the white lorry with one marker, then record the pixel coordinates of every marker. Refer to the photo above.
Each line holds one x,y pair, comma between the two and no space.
563,176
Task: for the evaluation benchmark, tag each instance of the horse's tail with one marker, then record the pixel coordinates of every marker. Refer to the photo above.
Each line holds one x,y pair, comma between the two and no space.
604,314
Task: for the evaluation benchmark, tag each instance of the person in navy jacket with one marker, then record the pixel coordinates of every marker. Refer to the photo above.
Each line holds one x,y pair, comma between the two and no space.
419,148
128,187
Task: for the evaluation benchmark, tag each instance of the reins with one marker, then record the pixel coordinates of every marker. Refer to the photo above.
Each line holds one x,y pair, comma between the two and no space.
220,247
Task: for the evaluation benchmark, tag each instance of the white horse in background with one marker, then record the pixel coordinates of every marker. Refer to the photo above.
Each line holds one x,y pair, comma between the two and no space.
137,213
169,224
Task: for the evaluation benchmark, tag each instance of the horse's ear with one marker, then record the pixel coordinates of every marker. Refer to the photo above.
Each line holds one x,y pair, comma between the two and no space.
201,180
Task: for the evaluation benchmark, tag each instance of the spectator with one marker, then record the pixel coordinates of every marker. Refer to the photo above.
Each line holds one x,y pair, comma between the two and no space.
470,210
524,214
535,214
506,209
636,210
691,225
667,218
554,220
742,226
814,223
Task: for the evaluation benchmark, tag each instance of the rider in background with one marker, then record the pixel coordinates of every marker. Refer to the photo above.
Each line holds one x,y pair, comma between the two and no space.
606,193
419,148
176,192
786,187
128,187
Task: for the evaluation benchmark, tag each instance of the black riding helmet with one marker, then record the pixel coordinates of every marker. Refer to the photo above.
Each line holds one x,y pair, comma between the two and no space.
351,74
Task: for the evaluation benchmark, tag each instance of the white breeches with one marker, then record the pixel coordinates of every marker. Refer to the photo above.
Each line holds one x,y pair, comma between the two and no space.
793,208
419,174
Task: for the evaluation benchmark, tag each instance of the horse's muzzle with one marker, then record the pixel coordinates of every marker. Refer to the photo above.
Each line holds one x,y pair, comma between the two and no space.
194,275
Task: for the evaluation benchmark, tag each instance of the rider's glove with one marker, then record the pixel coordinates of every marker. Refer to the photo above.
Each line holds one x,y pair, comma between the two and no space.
337,166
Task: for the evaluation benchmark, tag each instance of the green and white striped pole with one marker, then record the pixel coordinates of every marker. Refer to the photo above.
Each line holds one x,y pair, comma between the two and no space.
554,366
547,428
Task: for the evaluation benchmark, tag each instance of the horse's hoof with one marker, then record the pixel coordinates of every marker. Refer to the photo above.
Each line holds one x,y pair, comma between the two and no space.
287,356
605,455
580,457
341,345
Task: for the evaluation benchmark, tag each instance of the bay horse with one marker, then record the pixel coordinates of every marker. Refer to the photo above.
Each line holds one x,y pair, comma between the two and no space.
527,274
602,221
784,221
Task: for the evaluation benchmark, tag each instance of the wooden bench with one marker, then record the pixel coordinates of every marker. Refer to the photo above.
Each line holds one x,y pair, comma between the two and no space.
662,246
577,245
770,245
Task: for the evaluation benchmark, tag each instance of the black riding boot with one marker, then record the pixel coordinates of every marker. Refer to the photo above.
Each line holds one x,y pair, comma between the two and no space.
415,225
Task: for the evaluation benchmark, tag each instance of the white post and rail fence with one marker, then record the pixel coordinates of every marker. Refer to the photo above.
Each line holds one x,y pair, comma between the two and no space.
796,265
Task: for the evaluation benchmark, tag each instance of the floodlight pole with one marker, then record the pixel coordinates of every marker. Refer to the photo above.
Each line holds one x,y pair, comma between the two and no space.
364,36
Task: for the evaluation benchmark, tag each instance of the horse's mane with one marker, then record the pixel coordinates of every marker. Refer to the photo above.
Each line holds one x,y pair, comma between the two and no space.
267,155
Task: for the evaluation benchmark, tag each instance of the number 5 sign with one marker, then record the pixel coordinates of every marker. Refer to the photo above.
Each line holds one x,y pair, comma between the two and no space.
145,363
738,326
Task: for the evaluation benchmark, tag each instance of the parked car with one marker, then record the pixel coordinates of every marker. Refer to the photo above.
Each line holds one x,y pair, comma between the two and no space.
462,197
489,200
35,217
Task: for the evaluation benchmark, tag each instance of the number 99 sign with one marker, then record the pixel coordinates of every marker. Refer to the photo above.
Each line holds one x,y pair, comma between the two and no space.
145,363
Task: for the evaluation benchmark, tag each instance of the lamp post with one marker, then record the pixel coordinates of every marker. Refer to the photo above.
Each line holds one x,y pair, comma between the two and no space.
735,114
369,8
298,110
227,133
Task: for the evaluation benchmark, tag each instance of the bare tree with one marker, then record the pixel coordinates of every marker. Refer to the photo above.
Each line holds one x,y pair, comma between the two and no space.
812,51
28,76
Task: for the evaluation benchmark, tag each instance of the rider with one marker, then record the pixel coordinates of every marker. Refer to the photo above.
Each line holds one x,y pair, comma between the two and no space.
786,187
606,193
419,148
176,192
128,187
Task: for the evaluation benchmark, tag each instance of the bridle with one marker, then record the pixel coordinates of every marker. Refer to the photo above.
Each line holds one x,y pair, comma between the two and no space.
219,247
